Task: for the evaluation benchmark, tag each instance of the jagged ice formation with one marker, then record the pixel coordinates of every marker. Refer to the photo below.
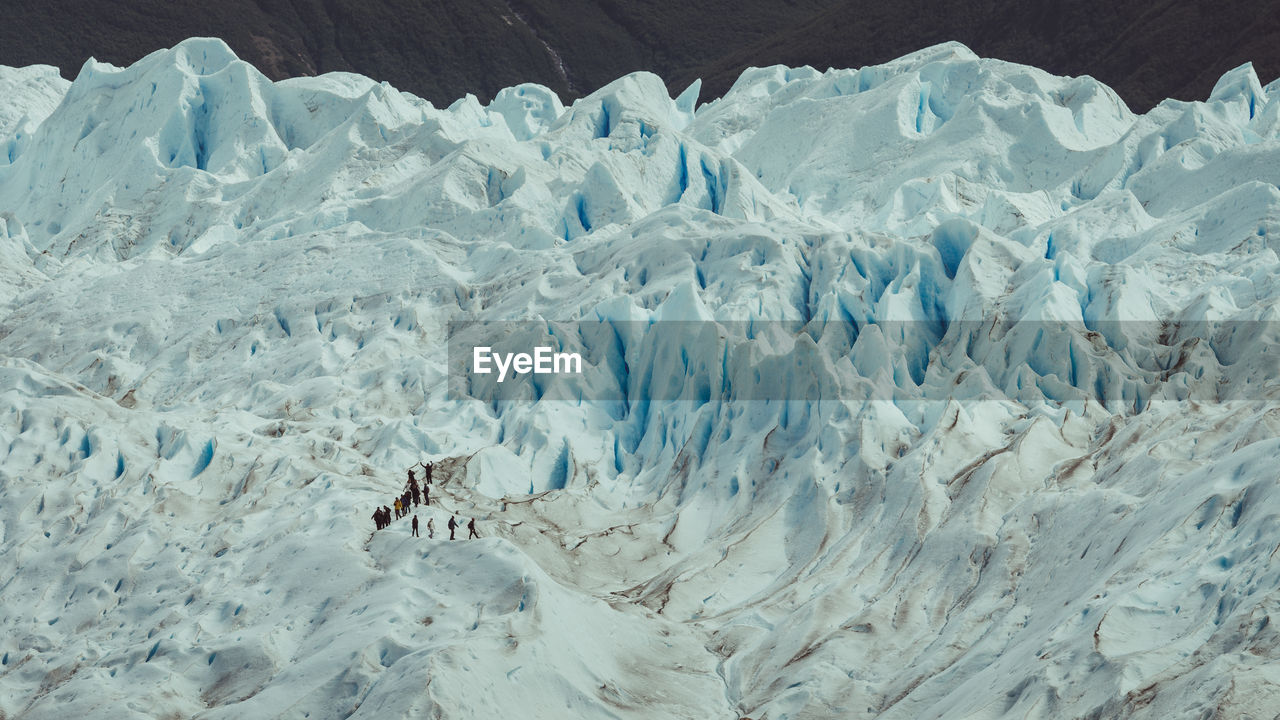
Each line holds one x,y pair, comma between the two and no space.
1005,446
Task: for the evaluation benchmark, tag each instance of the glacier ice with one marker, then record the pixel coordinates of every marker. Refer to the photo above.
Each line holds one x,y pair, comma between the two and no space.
937,389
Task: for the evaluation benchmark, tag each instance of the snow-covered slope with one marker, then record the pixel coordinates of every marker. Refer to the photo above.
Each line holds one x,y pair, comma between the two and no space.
937,389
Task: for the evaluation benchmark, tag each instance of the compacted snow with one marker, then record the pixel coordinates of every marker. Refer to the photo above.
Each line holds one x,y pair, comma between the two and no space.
939,389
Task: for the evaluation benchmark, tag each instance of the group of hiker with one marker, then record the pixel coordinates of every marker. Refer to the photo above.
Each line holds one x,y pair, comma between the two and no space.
413,496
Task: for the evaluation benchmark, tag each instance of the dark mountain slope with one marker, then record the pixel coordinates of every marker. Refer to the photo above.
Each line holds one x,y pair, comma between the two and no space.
439,49
601,40
442,49
1145,51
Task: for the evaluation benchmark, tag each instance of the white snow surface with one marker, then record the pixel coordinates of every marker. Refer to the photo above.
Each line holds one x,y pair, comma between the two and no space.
223,314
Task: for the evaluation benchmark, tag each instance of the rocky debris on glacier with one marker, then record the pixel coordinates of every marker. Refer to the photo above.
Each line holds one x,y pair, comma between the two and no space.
1001,444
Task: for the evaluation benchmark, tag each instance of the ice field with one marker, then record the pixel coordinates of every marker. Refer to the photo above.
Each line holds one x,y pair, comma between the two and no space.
945,388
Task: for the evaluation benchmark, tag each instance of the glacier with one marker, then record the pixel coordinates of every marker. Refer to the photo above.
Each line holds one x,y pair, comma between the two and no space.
944,388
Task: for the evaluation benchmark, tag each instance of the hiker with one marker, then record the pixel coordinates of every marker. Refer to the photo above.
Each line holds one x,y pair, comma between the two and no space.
411,480
398,509
471,527
452,524
413,491
415,526
386,516
428,467
431,528
377,519
426,495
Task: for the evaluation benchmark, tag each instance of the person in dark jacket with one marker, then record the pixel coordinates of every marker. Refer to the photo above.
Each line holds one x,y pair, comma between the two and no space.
452,524
426,495
377,519
427,471
415,526
471,528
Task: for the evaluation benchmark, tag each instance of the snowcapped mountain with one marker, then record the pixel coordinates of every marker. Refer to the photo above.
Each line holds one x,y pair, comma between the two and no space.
937,389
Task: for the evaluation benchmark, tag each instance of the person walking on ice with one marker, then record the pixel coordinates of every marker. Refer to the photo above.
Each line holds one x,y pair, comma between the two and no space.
399,509
431,528
471,529
415,526
452,524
